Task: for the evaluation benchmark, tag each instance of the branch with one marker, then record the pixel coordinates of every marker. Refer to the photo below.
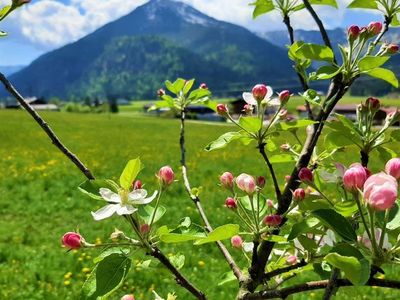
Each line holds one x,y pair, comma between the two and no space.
317,20
304,85
387,22
332,284
315,285
180,279
271,170
228,257
42,123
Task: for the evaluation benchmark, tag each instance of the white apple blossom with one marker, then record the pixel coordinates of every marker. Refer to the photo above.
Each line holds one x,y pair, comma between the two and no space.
122,203
249,98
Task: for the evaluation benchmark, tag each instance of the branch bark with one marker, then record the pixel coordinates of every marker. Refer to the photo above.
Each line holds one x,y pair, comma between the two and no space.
315,285
179,278
196,200
46,128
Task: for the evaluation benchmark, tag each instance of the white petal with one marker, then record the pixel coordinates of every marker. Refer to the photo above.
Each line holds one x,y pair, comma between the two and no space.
145,200
109,195
136,195
248,247
270,92
104,212
248,97
274,102
125,209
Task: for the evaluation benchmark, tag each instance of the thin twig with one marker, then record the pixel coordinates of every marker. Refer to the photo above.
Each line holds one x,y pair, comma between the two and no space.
272,274
228,257
331,286
304,84
47,129
180,279
271,170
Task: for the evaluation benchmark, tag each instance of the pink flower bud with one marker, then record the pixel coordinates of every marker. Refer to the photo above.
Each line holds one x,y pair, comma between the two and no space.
260,181
306,175
222,109
246,183
284,96
380,191
237,242
285,147
273,220
72,240
393,116
375,28
259,91
354,178
287,178
393,168
373,103
248,109
166,176
226,180
283,113
230,203
291,259
137,185
144,228
204,86
299,194
270,204
160,92
393,48
128,297
353,32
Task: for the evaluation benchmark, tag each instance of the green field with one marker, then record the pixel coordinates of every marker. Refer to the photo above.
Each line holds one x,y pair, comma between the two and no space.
40,201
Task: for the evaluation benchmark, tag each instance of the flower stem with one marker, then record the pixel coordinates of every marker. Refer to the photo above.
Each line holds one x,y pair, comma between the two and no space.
156,207
384,229
356,197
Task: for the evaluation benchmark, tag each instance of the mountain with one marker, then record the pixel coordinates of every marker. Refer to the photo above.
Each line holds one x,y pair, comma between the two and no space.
186,43
364,86
8,70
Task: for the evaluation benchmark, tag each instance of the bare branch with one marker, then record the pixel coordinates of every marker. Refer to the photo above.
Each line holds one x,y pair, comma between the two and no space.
42,123
228,257
180,279
315,285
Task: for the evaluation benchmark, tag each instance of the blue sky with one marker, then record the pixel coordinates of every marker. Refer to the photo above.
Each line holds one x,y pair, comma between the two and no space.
45,25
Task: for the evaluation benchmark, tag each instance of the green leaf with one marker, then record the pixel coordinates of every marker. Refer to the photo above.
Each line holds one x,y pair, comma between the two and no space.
251,124
385,153
349,124
226,278
107,277
326,72
308,244
312,97
384,74
363,4
180,238
130,173
262,7
293,49
346,208
394,218
112,250
188,85
199,94
282,159
160,104
175,87
315,52
285,126
223,141
371,62
356,270
324,2
177,260
302,227
92,187
337,223
395,21
311,203
395,135
220,233
274,238
146,213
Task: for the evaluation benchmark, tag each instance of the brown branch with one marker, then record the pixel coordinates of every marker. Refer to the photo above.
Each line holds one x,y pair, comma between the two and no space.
315,285
320,25
72,157
228,257
304,85
271,170
332,284
47,129
179,278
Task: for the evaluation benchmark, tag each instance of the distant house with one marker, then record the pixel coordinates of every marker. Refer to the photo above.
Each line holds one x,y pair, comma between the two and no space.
36,103
122,101
350,112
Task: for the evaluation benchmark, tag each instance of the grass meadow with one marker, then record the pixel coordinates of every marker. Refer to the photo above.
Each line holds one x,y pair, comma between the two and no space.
39,202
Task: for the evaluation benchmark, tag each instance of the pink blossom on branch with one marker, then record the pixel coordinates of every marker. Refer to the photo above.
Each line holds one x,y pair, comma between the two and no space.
380,191
273,220
306,175
230,203
72,240
226,180
166,176
393,168
246,183
354,178
237,242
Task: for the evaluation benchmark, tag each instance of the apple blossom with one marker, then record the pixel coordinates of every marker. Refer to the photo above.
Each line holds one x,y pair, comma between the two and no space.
284,96
226,180
128,297
230,203
299,194
270,204
246,183
166,175
260,181
306,175
137,185
291,259
236,242
353,32
393,168
354,178
273,220
380,191
122,203
72,240
160,92
222,109
204,86
375,28
261,93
